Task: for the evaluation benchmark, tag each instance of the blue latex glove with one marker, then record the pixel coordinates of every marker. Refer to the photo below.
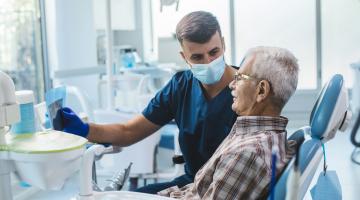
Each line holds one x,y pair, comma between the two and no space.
73,124
57,122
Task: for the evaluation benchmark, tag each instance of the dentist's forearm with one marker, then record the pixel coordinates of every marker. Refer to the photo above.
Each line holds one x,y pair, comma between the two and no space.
125,134
110,133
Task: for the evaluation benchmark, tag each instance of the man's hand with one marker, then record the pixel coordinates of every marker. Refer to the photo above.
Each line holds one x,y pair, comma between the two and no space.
73,124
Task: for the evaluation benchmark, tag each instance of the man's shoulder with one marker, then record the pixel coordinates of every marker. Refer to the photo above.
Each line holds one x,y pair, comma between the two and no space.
245,151
183,76
182,80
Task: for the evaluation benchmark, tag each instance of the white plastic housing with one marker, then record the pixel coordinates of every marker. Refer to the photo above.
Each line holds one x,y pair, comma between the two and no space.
7,90
47,171
9,109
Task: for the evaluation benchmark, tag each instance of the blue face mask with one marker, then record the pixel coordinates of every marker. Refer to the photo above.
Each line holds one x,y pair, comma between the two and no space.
209,73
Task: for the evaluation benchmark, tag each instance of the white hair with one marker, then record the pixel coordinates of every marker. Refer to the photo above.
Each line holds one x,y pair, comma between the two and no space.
278,66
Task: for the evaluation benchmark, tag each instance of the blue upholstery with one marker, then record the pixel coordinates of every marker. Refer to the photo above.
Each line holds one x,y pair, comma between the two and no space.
321,120
280,188
308,150
299,135
324,107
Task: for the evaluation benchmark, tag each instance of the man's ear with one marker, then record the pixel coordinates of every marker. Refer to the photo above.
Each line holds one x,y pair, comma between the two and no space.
263,90
183,56
223,42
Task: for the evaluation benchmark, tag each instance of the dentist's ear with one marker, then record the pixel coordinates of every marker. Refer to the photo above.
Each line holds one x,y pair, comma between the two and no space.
223,43
263,90
183,56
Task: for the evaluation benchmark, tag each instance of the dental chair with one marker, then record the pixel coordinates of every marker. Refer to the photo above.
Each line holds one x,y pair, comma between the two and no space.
329,114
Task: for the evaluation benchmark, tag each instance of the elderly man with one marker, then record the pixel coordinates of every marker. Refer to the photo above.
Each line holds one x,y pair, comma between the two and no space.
241,166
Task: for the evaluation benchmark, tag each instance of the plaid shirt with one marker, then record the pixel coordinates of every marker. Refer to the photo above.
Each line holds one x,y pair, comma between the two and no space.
240,168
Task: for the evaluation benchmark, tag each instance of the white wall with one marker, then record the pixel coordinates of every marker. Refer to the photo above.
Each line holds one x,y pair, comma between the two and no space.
72,41
299,107
169,51
71,34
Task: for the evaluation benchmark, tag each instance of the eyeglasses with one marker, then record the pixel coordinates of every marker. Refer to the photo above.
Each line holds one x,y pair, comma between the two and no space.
239,76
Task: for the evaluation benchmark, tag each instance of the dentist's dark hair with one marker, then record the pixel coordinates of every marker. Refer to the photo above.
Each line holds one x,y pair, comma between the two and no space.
198,27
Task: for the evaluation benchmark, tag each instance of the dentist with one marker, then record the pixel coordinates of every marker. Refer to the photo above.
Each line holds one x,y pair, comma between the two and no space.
198,100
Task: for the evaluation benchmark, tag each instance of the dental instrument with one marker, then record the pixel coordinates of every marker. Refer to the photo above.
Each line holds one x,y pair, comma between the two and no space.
273,173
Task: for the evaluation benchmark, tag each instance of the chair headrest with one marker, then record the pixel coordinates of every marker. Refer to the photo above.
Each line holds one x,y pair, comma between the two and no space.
330,110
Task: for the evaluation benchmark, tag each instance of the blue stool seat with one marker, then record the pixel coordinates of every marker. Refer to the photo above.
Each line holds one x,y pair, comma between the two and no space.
167,136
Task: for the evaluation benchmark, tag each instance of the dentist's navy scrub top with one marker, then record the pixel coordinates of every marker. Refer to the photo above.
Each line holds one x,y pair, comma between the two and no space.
203,124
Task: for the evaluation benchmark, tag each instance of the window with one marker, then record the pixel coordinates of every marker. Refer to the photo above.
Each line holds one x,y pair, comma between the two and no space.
282,23
288,24
340,38
20,51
